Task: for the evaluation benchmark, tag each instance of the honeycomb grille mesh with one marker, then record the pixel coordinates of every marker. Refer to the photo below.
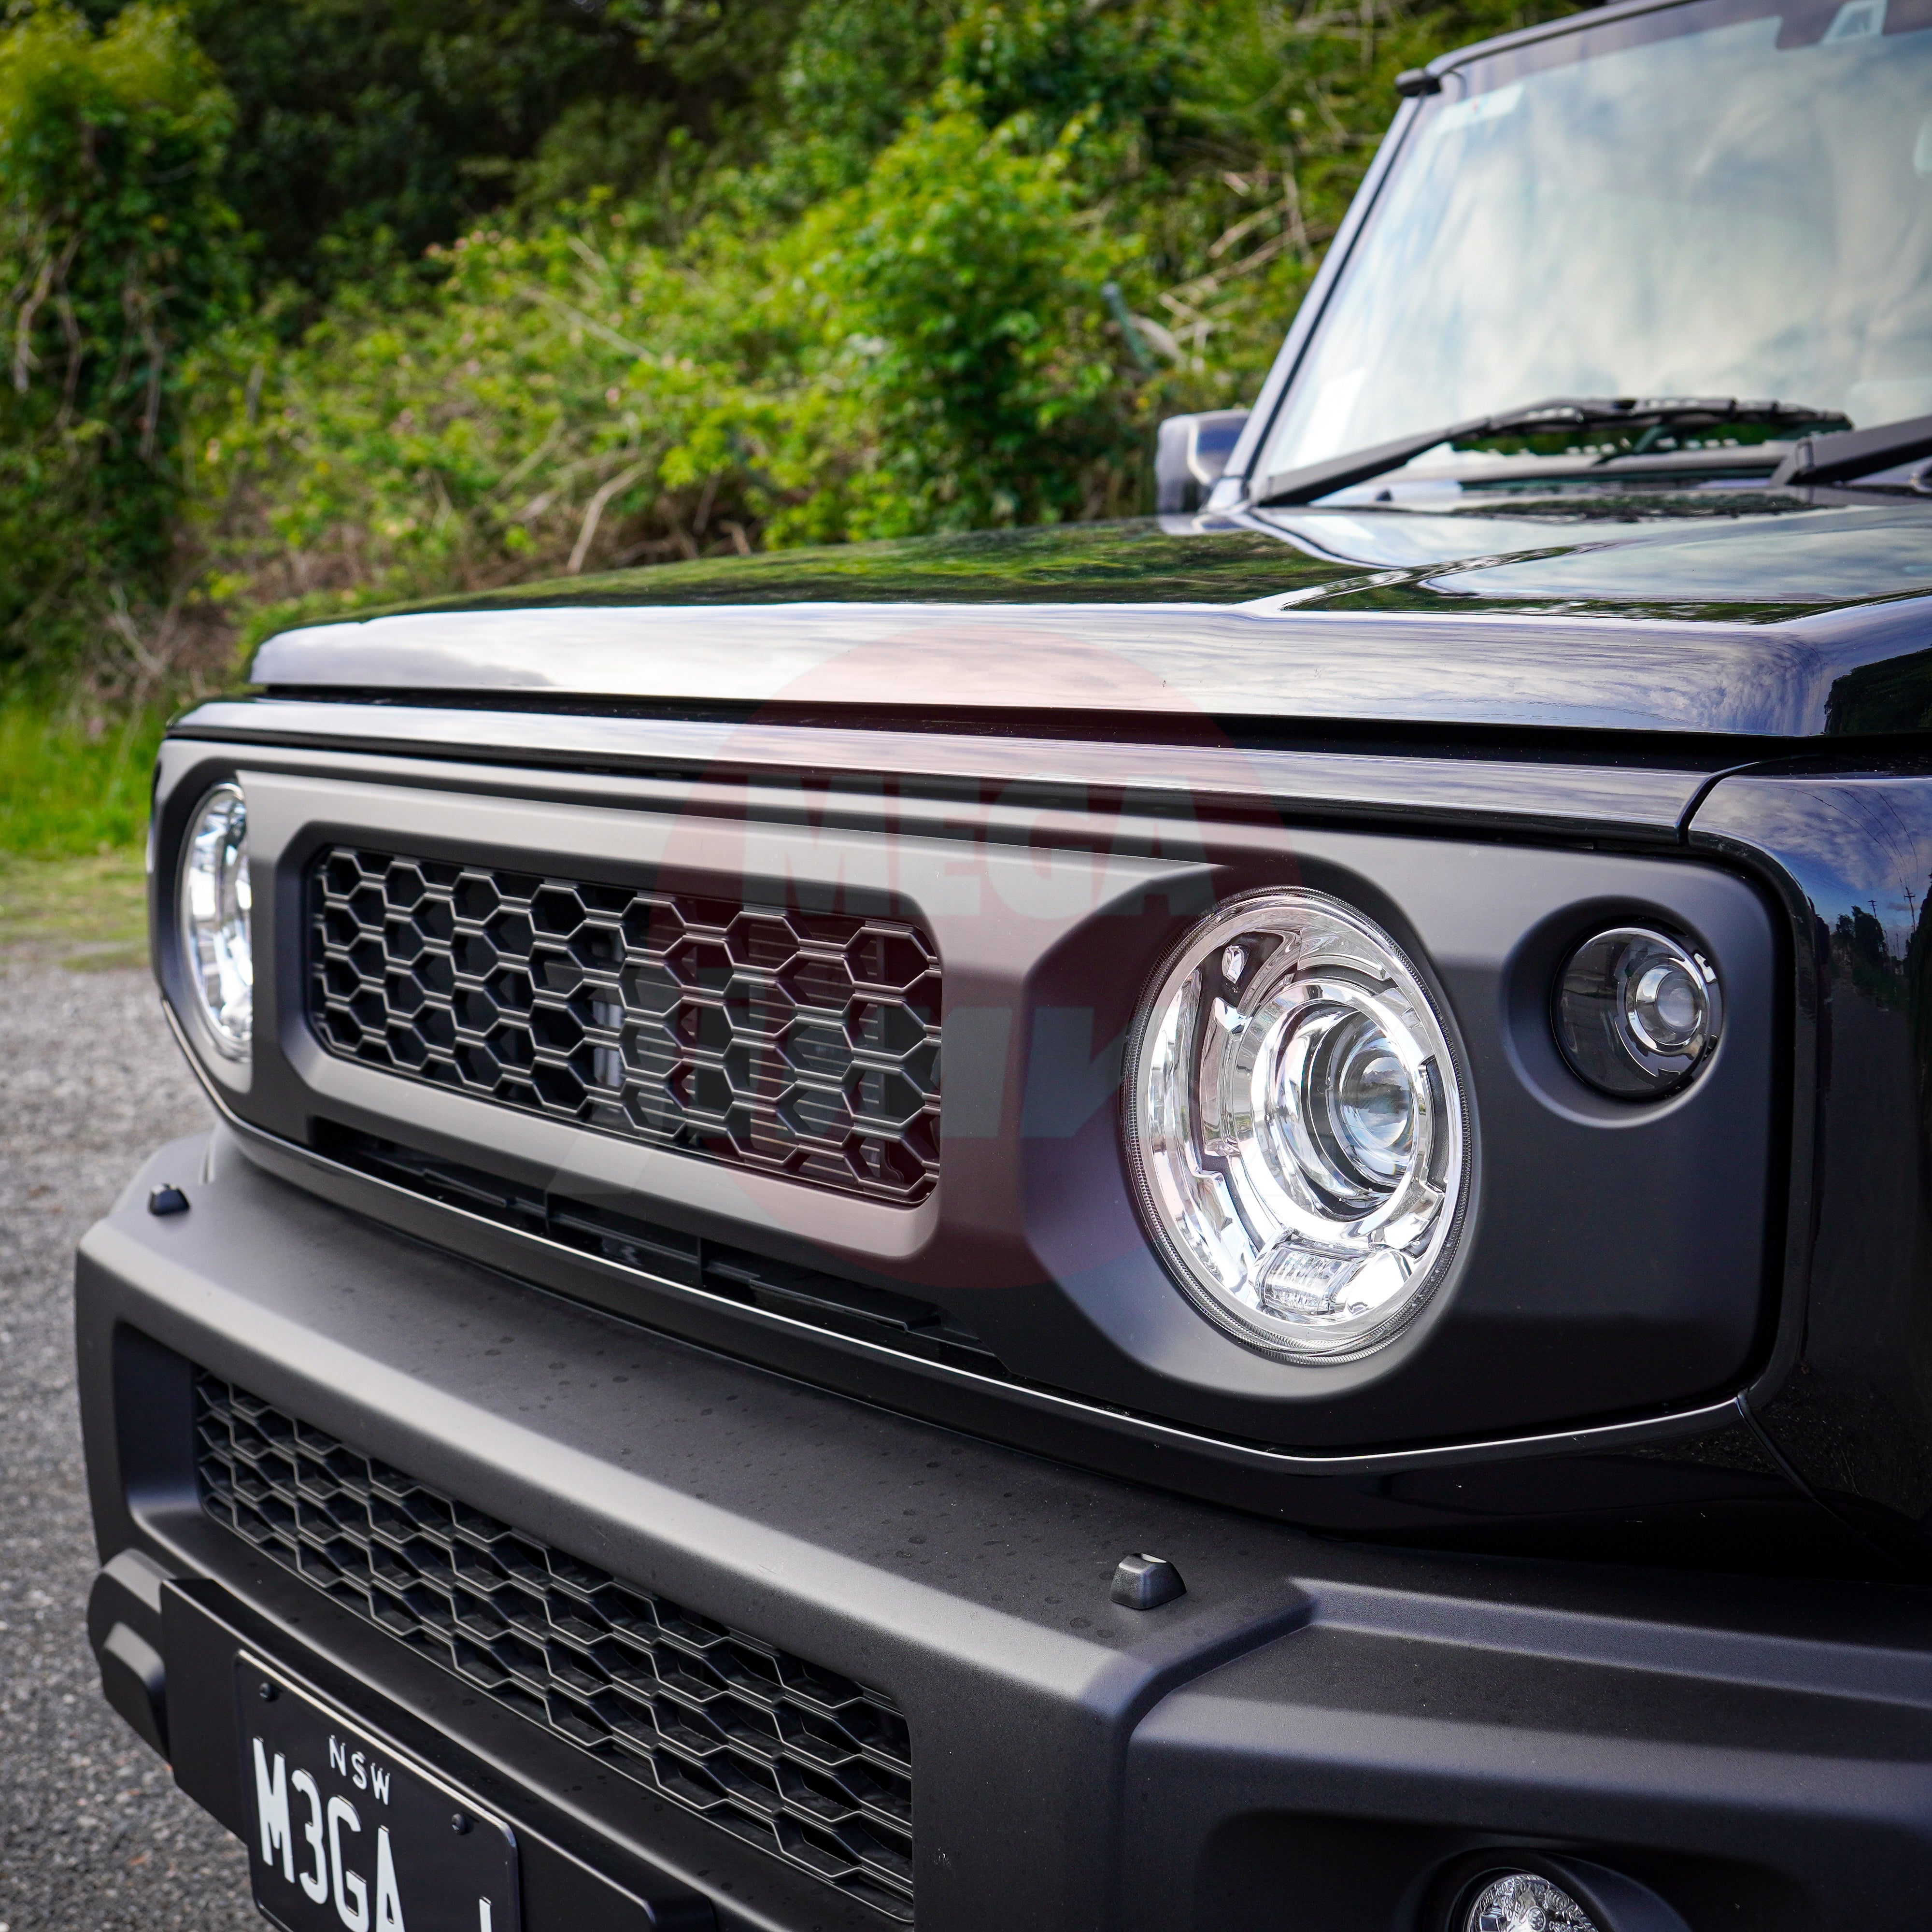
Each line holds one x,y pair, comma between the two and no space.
803,1044
799,1760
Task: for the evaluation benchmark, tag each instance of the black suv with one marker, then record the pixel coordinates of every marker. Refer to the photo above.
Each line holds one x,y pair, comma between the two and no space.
1219,1222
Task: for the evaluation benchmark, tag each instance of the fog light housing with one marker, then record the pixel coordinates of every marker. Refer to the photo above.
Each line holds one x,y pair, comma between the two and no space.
1297,1128
1637,1013
1523,1902
214,905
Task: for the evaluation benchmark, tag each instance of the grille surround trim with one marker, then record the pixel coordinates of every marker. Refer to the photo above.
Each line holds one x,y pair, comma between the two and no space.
803,1045
810,1766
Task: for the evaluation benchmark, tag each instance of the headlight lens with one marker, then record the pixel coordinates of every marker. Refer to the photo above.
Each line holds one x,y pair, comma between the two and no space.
1637,1013
214,909
1297,1128
1522,1902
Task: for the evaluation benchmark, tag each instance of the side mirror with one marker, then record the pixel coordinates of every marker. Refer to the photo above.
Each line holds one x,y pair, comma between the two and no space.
1191,452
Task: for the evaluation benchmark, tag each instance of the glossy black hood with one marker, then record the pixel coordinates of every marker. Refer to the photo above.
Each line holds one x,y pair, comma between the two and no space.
1737,613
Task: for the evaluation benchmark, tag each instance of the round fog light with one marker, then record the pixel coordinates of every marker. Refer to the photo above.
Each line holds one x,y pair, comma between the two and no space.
215,915
1297,1129
1522,1902
1637,1013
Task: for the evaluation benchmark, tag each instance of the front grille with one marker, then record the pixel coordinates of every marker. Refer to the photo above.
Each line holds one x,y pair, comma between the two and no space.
799,1760
799,1043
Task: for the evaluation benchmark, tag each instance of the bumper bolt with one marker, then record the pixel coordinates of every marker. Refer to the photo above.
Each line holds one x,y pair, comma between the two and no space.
167,1199
1145,1583
459,1824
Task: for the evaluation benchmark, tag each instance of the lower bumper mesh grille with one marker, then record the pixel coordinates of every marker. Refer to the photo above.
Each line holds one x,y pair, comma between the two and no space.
799,1760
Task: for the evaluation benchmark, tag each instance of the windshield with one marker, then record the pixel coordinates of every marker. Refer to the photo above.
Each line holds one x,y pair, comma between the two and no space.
1711,200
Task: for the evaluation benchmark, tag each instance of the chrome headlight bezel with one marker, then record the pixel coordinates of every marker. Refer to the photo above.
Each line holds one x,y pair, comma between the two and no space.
1268,1191
214,936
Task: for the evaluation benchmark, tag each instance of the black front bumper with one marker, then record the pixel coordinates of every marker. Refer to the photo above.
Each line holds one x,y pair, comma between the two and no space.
1313,1736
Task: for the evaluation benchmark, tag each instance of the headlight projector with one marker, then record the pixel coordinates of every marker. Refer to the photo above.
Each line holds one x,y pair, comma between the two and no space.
1297,1128
215,908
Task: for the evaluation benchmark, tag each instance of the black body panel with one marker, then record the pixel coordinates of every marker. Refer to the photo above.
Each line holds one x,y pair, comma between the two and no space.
1347,1777
1851,851
1686,553
1584,788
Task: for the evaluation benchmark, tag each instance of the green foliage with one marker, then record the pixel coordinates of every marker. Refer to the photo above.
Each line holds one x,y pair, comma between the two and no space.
927,349
371,129
956,300
1054,59
855,70
401,448
535,287
887,313
116,252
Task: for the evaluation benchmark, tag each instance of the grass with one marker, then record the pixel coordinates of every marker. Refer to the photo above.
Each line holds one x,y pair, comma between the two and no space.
70,789
87,914
73,812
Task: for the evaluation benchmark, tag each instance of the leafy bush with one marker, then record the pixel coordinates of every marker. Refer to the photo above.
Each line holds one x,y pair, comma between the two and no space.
896,318
370,130
927,349
515,421
116,252
797,270
956,299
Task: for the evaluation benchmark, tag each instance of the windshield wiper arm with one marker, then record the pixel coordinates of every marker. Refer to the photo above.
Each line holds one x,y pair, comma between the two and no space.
1304,485
1853,453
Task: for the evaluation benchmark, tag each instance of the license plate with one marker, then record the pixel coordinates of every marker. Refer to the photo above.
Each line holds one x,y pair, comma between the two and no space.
346,1835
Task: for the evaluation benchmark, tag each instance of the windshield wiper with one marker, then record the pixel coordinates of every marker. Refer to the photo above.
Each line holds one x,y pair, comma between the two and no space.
1304,485
1838,459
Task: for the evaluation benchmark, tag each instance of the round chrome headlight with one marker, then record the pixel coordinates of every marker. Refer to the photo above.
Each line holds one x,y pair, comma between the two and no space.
214,909
1297,1129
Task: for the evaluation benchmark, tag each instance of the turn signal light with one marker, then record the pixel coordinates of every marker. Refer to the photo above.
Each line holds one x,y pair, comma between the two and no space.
1637,1013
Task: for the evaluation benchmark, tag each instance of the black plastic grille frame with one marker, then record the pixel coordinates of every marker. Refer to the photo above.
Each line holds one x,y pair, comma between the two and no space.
800,1043
798,1760
900,1321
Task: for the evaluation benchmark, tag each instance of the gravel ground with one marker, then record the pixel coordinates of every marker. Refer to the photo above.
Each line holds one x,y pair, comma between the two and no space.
94,1836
